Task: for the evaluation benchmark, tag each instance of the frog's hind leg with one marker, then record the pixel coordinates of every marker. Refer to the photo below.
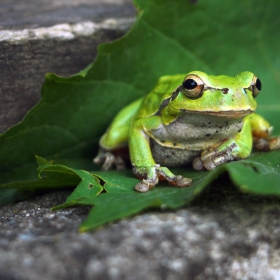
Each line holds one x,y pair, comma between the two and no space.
113,144
261,131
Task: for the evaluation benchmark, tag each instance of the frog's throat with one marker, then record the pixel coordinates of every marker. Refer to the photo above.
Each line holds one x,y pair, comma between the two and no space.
229,113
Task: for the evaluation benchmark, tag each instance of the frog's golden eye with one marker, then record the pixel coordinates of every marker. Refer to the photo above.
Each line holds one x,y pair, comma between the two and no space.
192,87
255,86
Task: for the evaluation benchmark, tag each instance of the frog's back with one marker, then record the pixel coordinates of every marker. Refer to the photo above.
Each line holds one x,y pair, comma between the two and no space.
118,132
163,90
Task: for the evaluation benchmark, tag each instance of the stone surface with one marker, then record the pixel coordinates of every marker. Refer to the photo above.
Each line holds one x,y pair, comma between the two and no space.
19,15
55,36
222,235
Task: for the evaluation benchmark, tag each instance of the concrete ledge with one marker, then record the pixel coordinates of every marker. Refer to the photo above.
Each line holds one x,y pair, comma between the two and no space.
221,237
65,31
65,48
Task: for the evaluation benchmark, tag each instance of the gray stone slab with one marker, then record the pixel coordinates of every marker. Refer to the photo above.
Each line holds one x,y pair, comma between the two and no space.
29,14
220,236
55,36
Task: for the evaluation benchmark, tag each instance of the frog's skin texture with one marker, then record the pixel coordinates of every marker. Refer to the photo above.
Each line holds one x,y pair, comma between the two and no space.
195,118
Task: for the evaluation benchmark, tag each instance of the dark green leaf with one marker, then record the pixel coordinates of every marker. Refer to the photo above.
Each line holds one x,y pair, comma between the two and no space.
126,204
258,175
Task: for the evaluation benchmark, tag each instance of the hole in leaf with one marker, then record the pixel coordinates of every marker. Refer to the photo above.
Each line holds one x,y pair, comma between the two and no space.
252,166
255,169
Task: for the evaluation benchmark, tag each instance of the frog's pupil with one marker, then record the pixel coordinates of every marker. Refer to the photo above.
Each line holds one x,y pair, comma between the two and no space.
189,84
258,84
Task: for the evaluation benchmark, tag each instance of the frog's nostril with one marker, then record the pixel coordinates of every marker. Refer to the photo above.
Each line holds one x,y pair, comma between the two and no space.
225,90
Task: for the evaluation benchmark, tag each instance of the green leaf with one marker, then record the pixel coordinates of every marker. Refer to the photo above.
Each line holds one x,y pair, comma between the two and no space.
126,204
169,37
88,184
257,175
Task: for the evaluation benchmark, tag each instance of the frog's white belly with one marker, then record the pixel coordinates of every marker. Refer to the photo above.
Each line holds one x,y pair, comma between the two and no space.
171,157
179,142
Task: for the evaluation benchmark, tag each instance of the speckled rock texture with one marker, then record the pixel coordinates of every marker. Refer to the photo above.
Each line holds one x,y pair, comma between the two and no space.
221,235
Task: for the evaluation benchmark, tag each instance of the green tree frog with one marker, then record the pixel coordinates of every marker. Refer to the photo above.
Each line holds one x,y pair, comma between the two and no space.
195,118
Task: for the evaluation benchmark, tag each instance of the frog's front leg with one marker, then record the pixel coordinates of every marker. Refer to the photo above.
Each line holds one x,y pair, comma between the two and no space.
144,166
228,150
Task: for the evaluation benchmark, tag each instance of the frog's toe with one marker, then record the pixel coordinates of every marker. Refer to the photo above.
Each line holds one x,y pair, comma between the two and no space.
98,159
263,144
181,181
213,157
142,187
175,180
274,143
120,163
210,163
109,161
206,160
198,164
145,185
106,159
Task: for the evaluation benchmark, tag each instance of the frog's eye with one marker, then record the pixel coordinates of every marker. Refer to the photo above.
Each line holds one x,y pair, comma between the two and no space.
192,86
255,86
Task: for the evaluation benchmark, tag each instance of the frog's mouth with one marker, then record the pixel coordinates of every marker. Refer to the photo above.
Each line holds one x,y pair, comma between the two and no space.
229,113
